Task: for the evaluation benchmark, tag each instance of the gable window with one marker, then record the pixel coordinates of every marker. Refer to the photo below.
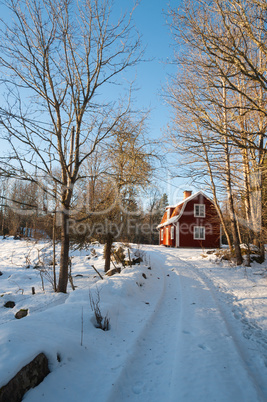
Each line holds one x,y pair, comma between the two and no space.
199,210
199,232
161,235
172,232
168,213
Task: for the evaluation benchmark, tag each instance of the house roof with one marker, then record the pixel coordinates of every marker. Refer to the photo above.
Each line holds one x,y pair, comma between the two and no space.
178,210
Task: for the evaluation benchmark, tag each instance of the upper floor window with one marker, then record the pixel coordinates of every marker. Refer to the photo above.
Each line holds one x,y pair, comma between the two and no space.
199,210
168,213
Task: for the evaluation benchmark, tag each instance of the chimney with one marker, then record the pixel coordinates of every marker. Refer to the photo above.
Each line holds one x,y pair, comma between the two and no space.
187,194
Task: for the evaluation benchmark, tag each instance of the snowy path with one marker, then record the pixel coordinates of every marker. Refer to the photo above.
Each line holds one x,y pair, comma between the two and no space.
148,372
188,351
179,332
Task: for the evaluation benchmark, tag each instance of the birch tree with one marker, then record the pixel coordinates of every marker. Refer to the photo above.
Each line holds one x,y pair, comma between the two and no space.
224,50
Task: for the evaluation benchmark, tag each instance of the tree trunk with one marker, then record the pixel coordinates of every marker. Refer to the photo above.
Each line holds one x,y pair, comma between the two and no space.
54,252
256,214
247,198
108,246
64,254
228,180
214,193
234,228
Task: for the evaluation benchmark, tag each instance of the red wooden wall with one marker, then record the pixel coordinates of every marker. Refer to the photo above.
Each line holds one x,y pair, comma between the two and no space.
187,222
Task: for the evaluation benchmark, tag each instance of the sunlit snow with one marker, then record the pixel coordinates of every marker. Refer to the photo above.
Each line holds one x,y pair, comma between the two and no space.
182,327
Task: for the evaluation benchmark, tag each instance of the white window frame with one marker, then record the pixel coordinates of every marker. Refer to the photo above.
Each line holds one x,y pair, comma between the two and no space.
197,233
168,213
161,234
177,240
172,232
201,213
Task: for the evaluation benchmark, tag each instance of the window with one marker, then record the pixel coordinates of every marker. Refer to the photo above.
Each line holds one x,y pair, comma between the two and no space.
199,210
199,233
172,232
168,213
161,234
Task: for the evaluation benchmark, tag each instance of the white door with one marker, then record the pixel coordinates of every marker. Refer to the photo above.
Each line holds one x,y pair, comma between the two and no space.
177,235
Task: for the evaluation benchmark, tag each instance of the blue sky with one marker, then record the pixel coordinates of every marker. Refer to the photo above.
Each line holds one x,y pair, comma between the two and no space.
151,21
152,75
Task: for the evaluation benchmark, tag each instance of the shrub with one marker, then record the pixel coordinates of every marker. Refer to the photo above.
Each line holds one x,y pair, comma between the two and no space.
101,322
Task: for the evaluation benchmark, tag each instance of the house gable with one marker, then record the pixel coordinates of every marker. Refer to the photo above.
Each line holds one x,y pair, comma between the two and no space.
193,223
179,209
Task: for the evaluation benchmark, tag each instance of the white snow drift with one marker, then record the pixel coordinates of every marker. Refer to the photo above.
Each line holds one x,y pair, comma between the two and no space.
182,327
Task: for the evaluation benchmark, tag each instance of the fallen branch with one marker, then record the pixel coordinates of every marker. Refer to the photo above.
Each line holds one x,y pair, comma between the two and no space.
97,272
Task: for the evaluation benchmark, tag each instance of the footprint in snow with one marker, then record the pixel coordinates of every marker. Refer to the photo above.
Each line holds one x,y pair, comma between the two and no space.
137,387
204,347
186,332
158,360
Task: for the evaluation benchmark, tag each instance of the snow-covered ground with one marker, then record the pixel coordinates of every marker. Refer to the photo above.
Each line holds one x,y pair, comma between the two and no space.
182,327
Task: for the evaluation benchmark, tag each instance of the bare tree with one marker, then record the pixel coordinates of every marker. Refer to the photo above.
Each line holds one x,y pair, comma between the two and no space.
205,154
55,57
130,168
221,87
112,182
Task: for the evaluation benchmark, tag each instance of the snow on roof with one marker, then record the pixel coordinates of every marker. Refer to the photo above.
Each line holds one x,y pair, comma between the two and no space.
183,204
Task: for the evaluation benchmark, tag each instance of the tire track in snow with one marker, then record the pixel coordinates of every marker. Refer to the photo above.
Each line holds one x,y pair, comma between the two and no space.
147,372
187,351
240,347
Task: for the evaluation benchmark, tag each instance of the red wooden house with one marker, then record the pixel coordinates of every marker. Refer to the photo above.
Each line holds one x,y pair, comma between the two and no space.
194,222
